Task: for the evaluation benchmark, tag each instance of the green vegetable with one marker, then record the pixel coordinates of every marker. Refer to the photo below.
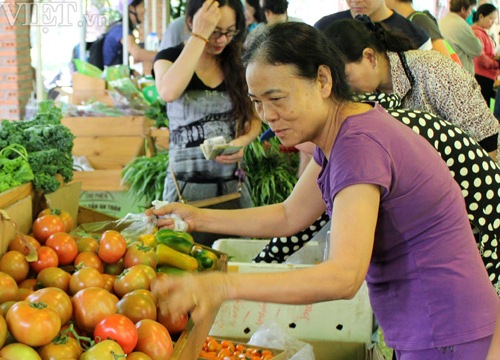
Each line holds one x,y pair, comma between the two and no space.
158,113
207,260
272,173
14,167
178,240
170,270
49,145
145,177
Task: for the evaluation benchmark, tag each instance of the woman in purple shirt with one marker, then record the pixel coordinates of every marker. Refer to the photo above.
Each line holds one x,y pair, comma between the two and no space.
398,218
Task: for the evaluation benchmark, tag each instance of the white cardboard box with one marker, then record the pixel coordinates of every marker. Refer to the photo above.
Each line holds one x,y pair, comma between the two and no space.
340,320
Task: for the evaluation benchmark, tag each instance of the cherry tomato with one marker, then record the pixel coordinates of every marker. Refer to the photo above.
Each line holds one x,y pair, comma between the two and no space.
33,324
104,350
112,246
154,340
118,328
87,244
64,245
63,214
15,264
54,277
56,299
89,259
91,305
47,257
131,279
46,225
17,351
138,253
84,278
137,306
8,287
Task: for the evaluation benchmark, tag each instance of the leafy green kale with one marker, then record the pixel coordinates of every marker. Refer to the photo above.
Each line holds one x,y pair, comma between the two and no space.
49,145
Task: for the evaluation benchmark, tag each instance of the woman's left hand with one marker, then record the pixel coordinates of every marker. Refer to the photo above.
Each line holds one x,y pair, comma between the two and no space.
231,158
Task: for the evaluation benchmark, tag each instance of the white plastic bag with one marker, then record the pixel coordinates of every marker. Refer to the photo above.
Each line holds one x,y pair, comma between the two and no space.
272,335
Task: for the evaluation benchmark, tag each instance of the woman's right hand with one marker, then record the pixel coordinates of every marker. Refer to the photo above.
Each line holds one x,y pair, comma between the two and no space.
206,18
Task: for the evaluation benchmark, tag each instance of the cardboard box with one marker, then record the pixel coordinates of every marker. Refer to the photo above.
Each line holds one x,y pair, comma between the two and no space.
278,354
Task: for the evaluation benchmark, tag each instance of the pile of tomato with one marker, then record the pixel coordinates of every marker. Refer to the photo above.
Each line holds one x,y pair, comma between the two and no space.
80,298
229,350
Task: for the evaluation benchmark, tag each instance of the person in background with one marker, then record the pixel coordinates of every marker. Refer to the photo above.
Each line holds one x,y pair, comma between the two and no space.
486,64
175,33
399,225
377,10
459,34
425,20
113,44
202,81
381,60
253,14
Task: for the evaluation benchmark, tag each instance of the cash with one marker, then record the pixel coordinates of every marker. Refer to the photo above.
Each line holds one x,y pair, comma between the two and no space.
216,146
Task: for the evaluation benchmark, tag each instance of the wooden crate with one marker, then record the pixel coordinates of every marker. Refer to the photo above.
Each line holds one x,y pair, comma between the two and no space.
109,144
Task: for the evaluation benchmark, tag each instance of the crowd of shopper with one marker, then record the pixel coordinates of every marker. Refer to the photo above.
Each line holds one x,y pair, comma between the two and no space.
403,162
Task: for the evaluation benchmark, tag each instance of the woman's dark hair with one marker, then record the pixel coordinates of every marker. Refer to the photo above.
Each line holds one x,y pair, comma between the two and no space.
259,14
232,67
485,10
352,36
302,46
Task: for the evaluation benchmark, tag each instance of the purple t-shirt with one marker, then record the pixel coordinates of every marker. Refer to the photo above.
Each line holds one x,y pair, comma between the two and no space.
428,286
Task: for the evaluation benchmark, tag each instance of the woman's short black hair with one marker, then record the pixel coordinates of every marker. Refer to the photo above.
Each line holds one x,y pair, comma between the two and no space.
485,10
302,46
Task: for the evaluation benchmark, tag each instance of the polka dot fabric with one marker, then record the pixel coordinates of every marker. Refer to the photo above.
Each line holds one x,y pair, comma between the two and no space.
471,167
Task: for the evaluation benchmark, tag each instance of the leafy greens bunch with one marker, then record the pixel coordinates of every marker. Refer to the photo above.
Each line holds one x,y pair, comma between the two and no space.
49,145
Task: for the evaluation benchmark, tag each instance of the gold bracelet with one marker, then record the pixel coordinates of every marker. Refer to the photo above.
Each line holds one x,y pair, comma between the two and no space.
200,37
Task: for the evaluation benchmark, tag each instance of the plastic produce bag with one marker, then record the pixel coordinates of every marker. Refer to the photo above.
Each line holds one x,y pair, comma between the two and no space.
272,335
130,226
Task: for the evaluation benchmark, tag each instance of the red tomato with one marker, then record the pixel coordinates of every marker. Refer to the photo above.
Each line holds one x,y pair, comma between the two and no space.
64,245
15,264
89,259
61,350
84,278
138,253
91,305
137,306
33,324
64,215
56,299
174,324
54,277
105,350
87,244
8,287
46,225
131,279
154,340
118,328
17,351
112,246
23,242
47,257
